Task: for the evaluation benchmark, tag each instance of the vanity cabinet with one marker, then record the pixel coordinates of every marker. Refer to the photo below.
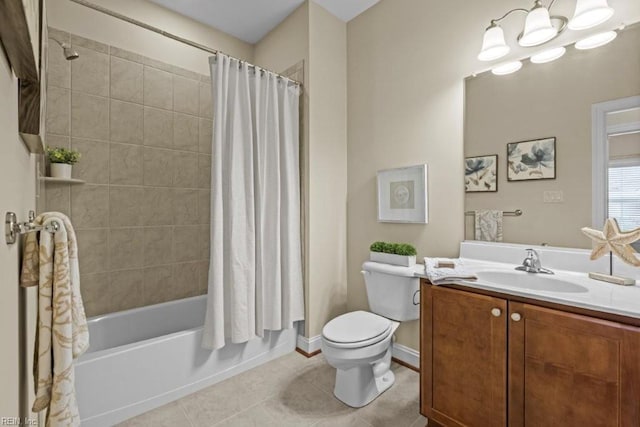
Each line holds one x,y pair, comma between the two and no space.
490,361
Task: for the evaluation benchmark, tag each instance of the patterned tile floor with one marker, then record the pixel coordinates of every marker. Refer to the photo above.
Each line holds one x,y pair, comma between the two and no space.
287,392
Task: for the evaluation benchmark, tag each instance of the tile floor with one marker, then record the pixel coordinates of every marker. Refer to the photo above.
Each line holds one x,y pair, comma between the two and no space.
289,391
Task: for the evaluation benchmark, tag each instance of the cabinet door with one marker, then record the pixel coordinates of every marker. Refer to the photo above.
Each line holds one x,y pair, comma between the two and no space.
463,358
570,370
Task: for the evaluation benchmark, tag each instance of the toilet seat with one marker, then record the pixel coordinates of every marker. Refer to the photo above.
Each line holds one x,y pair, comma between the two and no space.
356,329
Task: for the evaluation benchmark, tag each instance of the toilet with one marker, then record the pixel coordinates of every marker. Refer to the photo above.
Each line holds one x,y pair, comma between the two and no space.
359,344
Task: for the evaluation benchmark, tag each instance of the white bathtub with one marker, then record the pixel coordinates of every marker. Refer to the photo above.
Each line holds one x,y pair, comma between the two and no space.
146,357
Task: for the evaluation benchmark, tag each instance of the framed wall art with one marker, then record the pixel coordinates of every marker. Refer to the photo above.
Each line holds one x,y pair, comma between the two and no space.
481,174
402,195
531,160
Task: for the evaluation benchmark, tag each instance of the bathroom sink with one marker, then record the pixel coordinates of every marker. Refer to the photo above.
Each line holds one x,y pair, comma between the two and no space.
530,281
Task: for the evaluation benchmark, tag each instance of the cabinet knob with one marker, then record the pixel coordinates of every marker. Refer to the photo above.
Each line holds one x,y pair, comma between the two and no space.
496,312
516,317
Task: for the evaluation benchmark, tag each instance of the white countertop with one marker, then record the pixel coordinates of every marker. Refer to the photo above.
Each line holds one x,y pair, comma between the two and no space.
599,296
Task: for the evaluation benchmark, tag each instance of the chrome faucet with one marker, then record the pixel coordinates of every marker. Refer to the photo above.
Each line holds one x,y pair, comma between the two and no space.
532,264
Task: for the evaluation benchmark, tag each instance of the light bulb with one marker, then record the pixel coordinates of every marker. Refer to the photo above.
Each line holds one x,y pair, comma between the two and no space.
493,44
590,13
537,28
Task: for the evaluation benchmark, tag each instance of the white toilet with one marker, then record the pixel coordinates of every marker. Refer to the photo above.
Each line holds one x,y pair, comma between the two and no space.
358,344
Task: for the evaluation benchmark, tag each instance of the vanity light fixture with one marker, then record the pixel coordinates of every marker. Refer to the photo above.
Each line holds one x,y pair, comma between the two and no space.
541,27
548,55
507,68
596,40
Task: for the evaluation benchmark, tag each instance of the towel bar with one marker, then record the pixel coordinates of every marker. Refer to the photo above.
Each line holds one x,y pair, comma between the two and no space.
517,212
13,228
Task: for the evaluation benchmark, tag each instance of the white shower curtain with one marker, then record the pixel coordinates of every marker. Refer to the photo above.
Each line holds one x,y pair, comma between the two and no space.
255,273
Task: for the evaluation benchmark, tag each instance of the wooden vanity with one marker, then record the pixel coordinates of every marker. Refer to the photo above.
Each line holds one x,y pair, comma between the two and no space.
491,359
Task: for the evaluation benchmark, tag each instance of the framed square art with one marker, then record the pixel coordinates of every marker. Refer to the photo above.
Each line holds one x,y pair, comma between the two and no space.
531,160
402,195
481,174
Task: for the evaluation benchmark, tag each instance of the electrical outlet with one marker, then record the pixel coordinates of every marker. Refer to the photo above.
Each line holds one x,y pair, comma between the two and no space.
553,196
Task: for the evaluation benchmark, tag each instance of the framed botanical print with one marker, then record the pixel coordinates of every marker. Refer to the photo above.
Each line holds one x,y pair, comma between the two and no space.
531,160
481,174
402,195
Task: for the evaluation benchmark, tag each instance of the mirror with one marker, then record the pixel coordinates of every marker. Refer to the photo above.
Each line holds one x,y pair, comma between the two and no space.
538,122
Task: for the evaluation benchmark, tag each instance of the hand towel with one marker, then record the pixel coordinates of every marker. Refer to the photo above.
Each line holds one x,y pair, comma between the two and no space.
62,334
488,225
440,276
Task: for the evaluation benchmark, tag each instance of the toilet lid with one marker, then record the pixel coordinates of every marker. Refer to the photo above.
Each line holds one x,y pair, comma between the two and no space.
355,326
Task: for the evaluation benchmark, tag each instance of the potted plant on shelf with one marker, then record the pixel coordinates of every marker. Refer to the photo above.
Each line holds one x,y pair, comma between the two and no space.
393,253
61,161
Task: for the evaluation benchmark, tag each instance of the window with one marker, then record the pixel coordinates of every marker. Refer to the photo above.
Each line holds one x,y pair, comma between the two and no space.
624,192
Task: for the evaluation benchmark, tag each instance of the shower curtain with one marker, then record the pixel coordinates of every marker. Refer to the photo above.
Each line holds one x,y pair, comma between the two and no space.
255,273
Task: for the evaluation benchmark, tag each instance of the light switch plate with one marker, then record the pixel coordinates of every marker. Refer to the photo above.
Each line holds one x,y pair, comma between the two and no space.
554,196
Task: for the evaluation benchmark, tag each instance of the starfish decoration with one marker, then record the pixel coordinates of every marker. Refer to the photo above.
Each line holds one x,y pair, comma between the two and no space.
614,240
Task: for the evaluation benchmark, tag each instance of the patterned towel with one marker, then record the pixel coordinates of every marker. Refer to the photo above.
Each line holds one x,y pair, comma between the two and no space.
489,225
440,276
62,334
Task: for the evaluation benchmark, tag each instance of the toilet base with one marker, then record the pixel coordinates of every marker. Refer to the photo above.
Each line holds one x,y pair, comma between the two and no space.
360,385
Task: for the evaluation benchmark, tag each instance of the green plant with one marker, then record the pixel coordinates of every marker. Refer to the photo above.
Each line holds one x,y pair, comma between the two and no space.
393,248
62,155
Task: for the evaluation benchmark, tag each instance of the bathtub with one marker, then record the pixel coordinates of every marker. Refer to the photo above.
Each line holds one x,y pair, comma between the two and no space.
146,357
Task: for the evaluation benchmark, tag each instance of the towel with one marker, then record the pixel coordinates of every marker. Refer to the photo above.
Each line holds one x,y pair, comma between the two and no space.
439,276
489,225
62,334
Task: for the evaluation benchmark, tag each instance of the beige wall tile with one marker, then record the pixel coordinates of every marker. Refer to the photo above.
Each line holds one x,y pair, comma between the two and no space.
58,68
126,248
158,245
185,279
158,167
157,206
126,122
206,106
126,290
185,95
89,116
94,290
57,141
204,206
205,242
93,251
125,54
90,72
185,174
58,198
61,36
204,171
90,206
58,108
205,135
125,164
78,41
125,209
158,127
158,284
185,207
158,88
126,80
186,243
203,277
185,132
93,166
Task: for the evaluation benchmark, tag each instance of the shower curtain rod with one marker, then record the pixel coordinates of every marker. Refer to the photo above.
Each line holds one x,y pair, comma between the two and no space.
171,35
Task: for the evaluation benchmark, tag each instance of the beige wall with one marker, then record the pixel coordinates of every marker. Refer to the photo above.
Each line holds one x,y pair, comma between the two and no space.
550,100
86,22
17,190
313,35
143,129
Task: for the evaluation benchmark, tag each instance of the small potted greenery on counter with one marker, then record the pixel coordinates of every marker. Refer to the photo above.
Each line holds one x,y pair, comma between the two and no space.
393,253
62,160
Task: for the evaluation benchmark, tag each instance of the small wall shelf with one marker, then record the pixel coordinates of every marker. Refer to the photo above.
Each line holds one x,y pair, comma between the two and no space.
63,180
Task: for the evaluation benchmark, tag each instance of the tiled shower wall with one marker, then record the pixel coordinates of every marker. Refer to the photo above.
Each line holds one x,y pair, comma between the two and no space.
144,131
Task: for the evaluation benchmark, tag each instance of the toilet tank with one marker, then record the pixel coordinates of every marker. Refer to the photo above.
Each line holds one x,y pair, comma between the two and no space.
392,290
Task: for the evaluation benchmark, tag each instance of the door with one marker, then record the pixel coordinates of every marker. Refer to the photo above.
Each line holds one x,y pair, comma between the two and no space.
464,358
570,370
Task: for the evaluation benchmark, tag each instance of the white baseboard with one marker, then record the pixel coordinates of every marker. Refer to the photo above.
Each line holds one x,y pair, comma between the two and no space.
407,355
403,353
309,345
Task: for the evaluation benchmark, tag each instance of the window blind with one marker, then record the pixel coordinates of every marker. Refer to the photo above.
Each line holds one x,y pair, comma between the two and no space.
624,194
